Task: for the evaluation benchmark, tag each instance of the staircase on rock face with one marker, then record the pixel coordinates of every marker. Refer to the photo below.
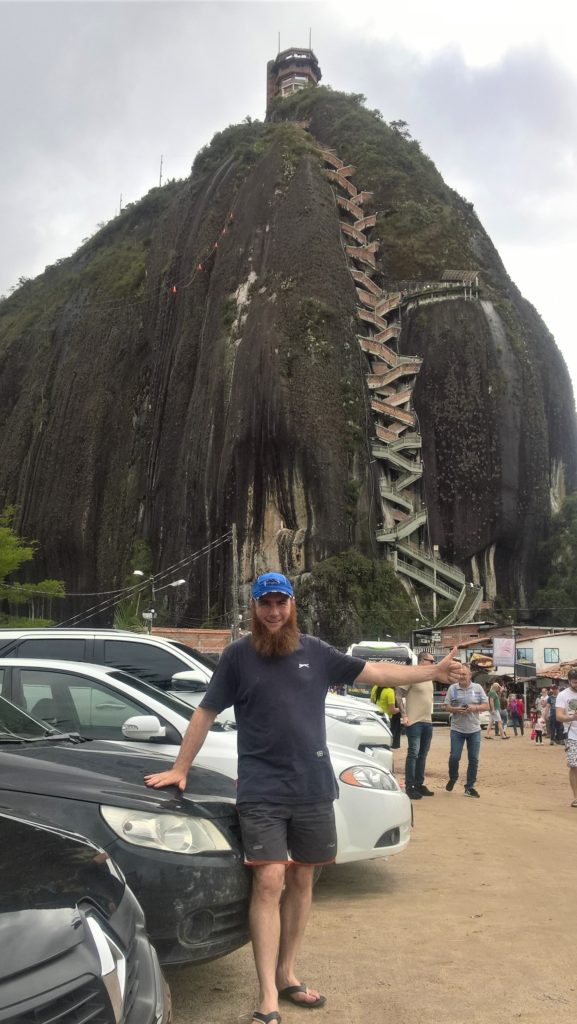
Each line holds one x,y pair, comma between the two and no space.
390,379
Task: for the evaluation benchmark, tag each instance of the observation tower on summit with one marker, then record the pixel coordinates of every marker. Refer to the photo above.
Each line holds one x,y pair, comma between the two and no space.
290,71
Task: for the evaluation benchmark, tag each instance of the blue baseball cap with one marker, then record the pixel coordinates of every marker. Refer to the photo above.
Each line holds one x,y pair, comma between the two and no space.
271,583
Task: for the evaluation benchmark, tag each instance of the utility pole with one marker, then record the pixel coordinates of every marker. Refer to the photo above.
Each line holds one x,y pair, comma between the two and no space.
160,176
152,610
120,204
435,556
235,609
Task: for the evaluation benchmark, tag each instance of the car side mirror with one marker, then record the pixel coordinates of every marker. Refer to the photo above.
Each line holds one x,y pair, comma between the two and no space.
191,680
143,727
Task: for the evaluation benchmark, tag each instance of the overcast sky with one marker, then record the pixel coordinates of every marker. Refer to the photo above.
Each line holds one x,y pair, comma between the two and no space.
93,93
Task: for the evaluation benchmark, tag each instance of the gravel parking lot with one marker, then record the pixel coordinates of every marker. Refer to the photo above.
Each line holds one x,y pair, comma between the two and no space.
476,922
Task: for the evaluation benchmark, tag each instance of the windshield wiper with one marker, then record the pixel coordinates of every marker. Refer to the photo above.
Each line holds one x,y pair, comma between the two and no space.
58,737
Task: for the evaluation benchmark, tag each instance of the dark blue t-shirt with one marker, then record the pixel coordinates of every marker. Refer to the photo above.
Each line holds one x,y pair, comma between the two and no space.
279,704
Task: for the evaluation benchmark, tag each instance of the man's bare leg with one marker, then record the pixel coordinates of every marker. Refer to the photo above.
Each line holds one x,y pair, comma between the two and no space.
295,910
265,929
573,781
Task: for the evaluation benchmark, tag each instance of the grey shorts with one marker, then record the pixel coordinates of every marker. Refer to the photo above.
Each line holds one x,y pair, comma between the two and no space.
288,833
495,717
571,752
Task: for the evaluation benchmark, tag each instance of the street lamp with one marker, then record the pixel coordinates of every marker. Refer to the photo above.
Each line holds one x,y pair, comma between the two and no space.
151,615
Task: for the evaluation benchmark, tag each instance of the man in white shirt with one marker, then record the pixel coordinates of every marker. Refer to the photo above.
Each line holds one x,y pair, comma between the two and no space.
566,712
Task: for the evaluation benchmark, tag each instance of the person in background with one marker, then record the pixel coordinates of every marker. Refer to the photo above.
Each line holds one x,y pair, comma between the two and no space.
539,729
503,711
541,702
384,699
466,700
566,713
555,727
495,710
517,712
533,714
418,723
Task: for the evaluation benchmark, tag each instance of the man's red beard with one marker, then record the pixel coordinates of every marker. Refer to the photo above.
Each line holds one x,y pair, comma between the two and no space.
283,641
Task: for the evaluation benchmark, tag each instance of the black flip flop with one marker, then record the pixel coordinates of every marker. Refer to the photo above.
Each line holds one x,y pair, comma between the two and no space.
266,1018
288,993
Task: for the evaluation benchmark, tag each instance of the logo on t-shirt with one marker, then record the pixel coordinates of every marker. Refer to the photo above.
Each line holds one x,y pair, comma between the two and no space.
304,665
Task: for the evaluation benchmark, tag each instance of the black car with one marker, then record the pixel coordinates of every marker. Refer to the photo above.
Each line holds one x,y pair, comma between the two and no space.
180,852
72,936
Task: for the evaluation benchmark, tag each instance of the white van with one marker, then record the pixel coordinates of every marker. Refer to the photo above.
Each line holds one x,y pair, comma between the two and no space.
378,650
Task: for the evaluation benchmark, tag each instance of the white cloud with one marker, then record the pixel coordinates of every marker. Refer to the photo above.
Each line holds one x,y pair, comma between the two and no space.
98,91
483,33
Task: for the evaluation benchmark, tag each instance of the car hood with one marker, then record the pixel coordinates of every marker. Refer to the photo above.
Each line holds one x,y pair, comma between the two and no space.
112,773
49,869
29,938
45,873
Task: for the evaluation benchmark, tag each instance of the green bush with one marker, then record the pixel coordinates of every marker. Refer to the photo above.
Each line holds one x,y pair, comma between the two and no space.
349,597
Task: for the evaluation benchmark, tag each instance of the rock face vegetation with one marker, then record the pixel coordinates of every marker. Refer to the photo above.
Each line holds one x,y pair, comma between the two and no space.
195,364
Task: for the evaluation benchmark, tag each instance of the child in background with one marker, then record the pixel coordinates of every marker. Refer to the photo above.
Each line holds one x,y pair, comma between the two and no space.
539,729
533,716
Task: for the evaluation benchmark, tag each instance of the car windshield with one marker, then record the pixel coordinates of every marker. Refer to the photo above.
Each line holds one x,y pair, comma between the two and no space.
16,725
396,654
167,699
204,657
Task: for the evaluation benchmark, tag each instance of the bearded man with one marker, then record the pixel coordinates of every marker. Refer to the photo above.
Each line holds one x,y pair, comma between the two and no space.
277,680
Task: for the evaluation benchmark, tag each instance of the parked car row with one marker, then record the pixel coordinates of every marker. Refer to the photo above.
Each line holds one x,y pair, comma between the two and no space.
73,938
76,740
103,704
180,853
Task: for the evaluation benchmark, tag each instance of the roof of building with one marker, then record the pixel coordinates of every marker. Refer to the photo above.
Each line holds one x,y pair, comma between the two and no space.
546,636
464,276
484,641
555,672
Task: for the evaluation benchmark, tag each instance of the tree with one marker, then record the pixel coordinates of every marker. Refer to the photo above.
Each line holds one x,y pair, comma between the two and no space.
401,128
349,597
15,552
555,603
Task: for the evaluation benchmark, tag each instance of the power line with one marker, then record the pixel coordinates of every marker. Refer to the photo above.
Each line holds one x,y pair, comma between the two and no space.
50,593
104,606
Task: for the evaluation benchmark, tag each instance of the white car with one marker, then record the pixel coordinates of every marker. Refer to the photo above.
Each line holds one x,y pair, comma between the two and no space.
172,667
373,814
349,722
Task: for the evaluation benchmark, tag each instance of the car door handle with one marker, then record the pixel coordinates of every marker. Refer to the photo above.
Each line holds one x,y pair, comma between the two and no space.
111,707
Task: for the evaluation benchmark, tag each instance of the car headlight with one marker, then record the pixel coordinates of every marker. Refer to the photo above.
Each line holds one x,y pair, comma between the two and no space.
173,833
349,716
368,778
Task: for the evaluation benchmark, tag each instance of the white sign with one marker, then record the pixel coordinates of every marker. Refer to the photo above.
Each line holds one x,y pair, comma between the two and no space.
504,651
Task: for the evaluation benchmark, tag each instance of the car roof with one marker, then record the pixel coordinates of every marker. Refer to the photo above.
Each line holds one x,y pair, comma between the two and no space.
60,663
125,634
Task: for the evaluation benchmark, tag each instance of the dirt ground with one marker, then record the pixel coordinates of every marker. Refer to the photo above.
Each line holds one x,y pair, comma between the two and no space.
475,922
